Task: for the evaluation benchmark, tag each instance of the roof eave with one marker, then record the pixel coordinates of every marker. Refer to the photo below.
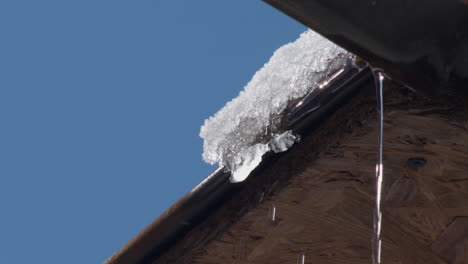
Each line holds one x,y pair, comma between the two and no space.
216,189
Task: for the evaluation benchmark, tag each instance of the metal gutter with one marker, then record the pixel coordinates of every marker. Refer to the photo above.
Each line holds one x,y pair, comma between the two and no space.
216,189
176,221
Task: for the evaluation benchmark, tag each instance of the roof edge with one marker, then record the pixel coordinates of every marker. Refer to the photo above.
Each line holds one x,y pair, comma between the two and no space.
203,200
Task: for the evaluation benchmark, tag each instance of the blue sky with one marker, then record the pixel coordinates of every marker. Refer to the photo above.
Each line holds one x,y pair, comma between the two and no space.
101,103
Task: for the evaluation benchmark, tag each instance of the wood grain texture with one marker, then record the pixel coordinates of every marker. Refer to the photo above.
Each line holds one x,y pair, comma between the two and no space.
452,245
323,192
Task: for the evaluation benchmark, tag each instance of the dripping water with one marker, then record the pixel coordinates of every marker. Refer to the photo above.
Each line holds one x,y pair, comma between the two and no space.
301,259
272,213
377,241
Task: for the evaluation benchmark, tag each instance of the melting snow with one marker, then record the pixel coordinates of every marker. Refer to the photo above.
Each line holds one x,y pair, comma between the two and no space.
246,128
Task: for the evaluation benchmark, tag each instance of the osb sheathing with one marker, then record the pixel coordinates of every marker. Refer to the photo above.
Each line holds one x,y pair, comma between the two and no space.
323,192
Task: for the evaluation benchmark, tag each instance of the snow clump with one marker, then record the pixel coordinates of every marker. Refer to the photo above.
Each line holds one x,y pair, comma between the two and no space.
247,127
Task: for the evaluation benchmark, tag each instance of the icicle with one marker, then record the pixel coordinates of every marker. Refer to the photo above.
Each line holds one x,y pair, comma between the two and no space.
377,242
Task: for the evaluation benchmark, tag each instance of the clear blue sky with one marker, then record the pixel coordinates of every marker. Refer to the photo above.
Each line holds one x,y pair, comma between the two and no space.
101,103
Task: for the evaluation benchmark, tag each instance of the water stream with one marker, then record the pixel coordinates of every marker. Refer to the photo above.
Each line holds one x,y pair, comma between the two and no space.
377,241
301,259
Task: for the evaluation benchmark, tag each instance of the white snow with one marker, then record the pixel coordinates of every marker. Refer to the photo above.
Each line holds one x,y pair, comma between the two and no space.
247,127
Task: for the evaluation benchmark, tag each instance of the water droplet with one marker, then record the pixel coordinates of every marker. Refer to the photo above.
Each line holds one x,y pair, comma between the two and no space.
301,259
273,213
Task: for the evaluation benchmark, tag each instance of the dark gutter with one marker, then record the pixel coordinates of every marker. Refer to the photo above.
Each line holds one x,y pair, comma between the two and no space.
177,220
216,189
422,44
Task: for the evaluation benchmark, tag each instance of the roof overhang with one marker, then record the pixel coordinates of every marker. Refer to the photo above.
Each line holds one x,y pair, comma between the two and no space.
206,198
423,44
